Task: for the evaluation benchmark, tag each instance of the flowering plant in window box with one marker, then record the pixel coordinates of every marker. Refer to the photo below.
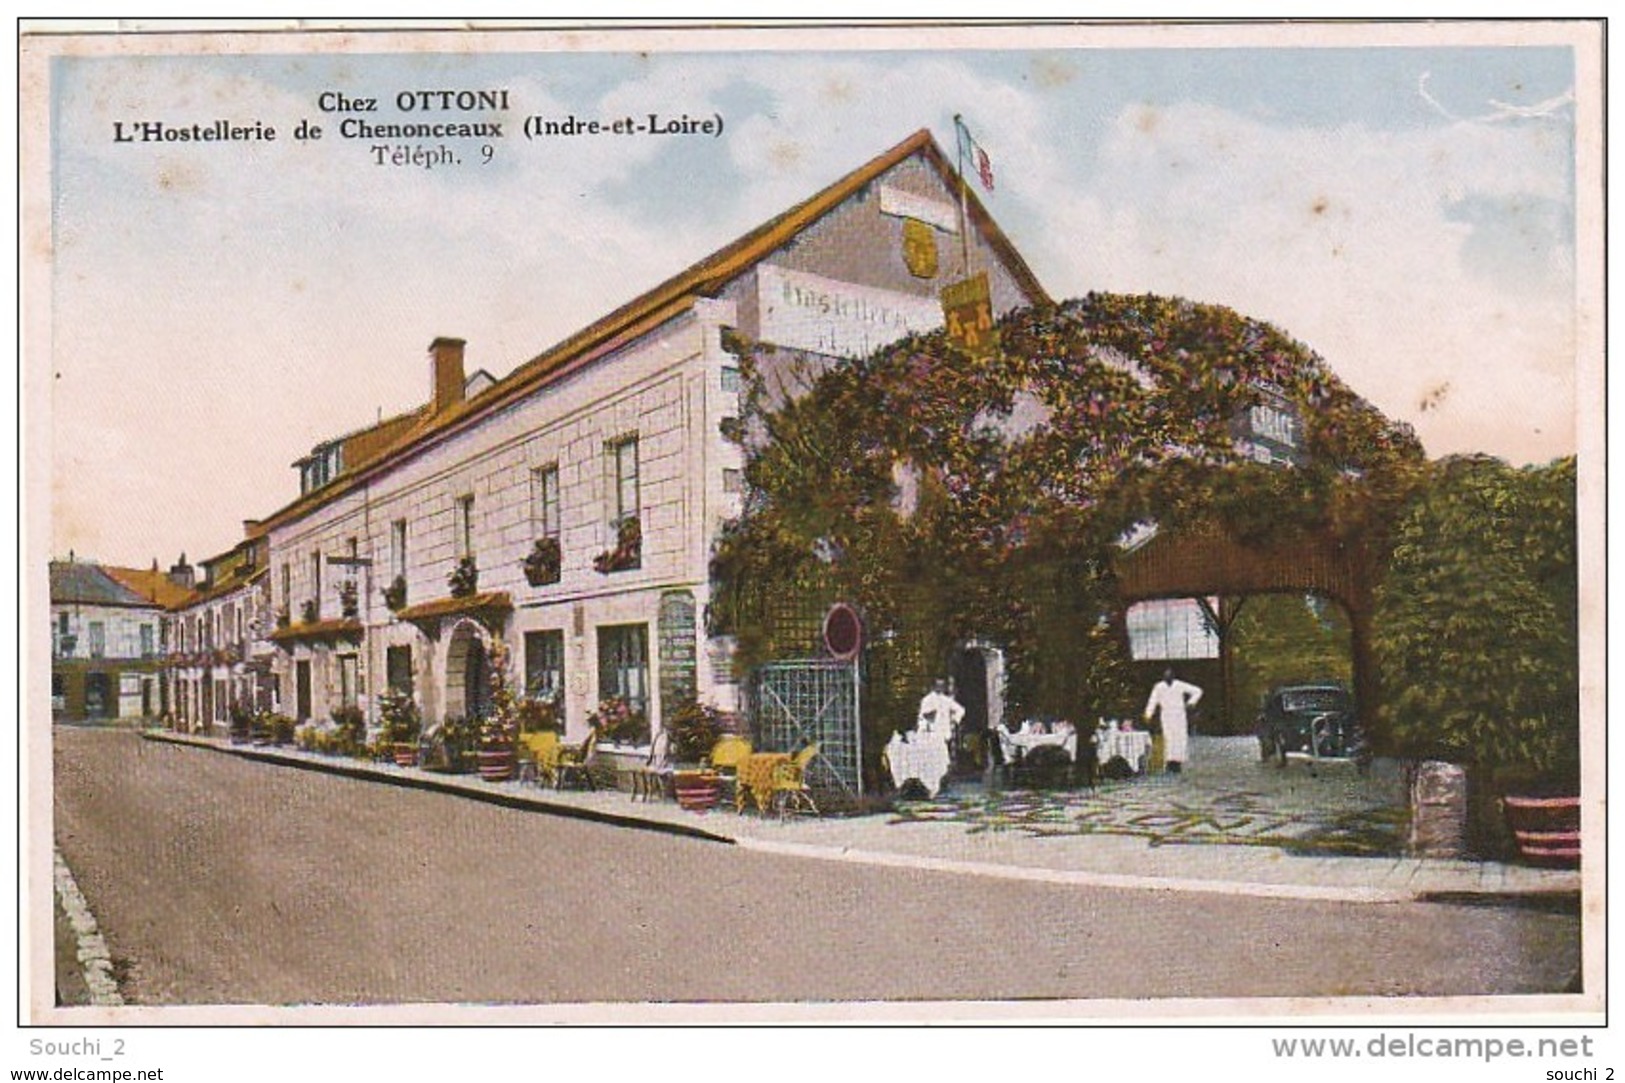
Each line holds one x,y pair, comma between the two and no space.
395,593
349,600
283,618
619,722
464,579
628,551
308,611
542,564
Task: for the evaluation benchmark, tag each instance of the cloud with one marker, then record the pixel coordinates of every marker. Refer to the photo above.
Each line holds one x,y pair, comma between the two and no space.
1349,239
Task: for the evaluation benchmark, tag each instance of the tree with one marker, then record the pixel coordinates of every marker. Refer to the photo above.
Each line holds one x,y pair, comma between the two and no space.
1477,627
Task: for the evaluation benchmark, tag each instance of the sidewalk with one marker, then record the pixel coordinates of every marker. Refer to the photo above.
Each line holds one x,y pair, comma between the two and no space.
1230,825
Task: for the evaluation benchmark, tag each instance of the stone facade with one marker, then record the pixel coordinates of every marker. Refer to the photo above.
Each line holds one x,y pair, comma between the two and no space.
623,422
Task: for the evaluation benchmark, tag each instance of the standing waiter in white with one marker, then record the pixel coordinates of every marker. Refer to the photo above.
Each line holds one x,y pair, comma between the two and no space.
1173,697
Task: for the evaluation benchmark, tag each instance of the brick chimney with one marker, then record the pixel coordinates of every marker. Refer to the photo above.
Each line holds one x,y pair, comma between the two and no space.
446,374
182,574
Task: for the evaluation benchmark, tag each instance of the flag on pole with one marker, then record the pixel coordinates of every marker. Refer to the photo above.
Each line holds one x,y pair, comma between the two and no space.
984,164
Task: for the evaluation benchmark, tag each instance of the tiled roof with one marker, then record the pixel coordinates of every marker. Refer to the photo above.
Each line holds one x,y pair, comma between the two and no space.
651,309
153,585
89,584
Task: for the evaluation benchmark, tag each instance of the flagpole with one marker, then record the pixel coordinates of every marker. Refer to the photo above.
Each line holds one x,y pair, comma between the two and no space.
964,233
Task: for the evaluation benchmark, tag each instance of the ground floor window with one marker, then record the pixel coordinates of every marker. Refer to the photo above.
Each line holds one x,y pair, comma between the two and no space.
348,674
623,664
98,692
59,692
398,670
544,665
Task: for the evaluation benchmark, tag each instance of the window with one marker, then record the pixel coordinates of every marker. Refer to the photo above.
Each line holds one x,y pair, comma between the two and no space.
62,623
348,675
623,456
544,501
98,638
733,481
544,665
316,583
287,586
146,641
463,526
238,613
730,379
397,549
1173,628
623,663
398,669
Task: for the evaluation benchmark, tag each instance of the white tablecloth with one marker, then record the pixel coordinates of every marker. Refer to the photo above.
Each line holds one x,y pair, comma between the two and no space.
924,758
1133,745
1017,745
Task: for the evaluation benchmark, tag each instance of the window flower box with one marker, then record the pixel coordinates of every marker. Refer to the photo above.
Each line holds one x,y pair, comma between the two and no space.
543,563
628,551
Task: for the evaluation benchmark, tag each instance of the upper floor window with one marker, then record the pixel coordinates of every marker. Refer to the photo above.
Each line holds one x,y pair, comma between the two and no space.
463,525
397,549
623,456
98,639
730,379
544,501
147,644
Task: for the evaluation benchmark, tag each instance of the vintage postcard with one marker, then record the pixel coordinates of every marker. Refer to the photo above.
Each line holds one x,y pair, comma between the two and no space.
698,524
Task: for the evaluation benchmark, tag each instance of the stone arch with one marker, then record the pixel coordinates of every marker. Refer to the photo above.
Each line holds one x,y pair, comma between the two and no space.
468,670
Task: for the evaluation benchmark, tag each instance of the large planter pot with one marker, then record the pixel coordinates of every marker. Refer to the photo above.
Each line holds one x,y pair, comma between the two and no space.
406,754
697,791
496,766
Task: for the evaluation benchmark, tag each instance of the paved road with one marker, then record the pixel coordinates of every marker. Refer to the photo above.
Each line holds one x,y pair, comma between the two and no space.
217,880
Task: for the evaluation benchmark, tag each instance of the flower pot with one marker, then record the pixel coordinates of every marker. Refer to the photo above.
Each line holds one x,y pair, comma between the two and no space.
406,754
697,790
496,766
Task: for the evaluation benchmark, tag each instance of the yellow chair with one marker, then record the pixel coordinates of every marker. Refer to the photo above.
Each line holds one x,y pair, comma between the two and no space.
541,755
727,752
575,762
790,790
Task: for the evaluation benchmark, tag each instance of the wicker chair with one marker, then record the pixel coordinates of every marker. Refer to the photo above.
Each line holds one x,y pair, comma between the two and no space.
540,756
790,790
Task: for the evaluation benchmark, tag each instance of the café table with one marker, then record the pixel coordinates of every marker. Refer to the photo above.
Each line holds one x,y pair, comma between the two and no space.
1017,746
1133,745
924,759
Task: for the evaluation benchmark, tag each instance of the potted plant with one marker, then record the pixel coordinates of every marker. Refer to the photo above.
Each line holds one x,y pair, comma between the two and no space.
465,578
619,723
499,730
349,734
283,619
543,563
308,611
282,729
402,726
692,730
395,594
628,551
241,723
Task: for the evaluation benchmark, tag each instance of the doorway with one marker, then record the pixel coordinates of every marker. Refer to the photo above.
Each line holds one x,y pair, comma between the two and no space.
301,682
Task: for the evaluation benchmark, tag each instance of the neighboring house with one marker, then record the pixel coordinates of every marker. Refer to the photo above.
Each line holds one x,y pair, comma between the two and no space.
571,507
104,645
219,651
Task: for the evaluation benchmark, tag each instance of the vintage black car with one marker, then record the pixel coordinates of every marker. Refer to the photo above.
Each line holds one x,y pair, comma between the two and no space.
1313,722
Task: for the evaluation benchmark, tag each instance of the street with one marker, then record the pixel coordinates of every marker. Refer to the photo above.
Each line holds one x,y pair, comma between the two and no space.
220,881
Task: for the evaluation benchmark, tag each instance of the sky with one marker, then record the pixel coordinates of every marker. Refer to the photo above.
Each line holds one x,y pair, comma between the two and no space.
1408,211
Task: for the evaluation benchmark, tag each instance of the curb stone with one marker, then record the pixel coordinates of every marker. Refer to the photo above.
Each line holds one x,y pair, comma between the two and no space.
92,949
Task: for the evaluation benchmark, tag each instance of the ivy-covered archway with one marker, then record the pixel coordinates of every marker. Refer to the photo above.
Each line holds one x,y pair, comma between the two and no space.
955,497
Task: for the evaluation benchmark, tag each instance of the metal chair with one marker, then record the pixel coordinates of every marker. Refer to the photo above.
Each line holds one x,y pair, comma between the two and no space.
575,762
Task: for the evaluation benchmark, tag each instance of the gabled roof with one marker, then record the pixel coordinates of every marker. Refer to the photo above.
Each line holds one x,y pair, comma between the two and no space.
649,310
153,585
75,582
